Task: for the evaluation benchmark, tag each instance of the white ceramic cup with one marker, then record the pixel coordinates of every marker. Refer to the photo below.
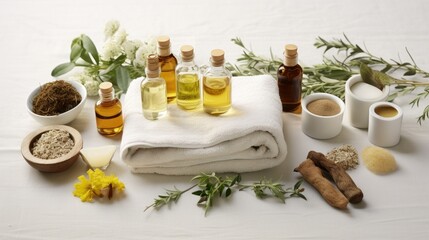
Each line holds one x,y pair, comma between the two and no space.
384,131
321,127
357,107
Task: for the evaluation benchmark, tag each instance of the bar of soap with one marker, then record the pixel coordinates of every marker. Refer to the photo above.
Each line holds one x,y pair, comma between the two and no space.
379,160
98,157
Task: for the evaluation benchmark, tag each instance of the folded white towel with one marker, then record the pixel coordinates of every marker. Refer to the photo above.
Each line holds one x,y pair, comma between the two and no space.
249,137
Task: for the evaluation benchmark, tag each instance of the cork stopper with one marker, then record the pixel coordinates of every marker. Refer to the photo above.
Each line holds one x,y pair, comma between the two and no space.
152,66
291,55
218,57
163,45
187,53
106,91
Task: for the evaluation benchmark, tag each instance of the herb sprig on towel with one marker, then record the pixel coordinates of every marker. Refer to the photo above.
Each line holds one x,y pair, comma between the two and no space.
212,186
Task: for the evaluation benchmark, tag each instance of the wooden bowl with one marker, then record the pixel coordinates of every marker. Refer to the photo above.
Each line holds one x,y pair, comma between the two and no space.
51,165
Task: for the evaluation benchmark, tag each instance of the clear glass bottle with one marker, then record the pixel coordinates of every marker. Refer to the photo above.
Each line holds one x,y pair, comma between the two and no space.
289,82
108,111
153,91
188,80
168,66
217,85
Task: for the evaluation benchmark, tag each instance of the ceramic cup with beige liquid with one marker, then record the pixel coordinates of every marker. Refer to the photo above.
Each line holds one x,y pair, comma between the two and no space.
385,120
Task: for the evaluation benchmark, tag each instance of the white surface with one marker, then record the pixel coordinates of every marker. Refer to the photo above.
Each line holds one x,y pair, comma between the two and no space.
191,142
36,36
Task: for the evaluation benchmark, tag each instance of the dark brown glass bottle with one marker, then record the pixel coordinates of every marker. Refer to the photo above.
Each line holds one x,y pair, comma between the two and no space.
289,77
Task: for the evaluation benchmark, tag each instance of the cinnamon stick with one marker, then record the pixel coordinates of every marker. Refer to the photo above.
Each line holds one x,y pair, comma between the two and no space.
343,180
313,175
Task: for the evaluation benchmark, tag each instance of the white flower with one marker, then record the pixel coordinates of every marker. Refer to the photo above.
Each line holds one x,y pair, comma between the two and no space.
91,87
144,50
81,77
111,27
130,48
111,49
120,36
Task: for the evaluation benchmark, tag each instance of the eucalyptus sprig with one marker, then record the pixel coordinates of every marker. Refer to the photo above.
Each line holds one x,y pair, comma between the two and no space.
330,75
212,186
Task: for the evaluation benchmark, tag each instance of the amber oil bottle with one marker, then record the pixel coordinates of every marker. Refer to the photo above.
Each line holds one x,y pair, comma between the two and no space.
108,111
289,77
217,85
153,90
168,66
188,80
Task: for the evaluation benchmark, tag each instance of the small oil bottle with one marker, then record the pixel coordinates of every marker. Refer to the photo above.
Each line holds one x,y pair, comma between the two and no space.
217,85
168,66
188,80
289,77
153,91
108,111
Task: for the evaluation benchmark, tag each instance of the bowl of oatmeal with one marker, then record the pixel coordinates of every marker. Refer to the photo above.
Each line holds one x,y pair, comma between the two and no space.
52,148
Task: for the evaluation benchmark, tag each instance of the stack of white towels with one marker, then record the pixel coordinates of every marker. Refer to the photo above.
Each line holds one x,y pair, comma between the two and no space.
249,137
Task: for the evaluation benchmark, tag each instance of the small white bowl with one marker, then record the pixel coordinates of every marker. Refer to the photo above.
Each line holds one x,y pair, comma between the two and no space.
321,127
62,118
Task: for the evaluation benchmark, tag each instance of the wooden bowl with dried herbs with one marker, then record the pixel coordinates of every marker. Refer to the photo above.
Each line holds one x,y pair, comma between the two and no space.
57,102
52,148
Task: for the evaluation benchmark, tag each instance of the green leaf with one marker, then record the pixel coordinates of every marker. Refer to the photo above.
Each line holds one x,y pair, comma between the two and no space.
122,78
62,69
198,192
75,53
85,56
89,46
368,76
410,72
228,192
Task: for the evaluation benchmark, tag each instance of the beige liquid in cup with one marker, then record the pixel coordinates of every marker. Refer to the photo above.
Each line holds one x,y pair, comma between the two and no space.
386,111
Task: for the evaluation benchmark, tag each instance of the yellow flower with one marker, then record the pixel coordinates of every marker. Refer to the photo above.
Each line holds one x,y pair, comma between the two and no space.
97,184
83,189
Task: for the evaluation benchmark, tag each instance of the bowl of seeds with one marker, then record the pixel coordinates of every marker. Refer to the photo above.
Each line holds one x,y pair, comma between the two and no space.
57,102
52,148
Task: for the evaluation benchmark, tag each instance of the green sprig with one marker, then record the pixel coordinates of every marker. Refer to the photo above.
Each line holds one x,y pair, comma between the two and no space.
331,75
212,187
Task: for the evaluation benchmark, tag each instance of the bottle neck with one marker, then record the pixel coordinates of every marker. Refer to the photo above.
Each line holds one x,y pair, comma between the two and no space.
107,96
152,73
290,61
163,52
188,63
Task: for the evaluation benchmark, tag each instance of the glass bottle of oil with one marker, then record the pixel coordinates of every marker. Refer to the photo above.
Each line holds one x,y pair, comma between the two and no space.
289,77
153,91
168,66
217,85
108,111
188,80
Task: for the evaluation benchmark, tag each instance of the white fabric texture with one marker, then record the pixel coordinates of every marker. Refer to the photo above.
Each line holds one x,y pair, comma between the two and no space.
249,137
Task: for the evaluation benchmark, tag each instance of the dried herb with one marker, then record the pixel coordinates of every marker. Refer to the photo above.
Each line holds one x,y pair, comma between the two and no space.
55,98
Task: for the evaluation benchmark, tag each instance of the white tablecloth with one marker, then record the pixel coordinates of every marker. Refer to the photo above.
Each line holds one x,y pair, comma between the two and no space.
35,36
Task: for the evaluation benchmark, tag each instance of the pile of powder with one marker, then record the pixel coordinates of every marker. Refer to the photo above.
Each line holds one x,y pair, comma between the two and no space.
52,144
379,160
324,107
345,156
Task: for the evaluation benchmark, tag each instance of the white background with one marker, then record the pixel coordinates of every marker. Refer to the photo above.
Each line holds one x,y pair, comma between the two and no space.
35,36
